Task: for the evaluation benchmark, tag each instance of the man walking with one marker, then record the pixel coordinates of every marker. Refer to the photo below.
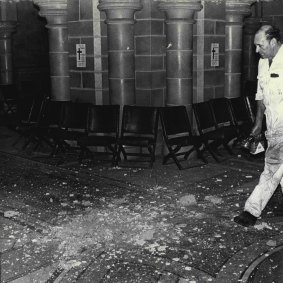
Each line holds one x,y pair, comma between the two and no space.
269,98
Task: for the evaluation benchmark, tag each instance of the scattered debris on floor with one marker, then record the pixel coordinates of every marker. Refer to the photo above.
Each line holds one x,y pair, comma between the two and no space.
262,225
168,224
11,213
187,200
213,199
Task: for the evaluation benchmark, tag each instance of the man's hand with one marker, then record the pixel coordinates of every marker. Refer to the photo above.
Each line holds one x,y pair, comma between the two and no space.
256,130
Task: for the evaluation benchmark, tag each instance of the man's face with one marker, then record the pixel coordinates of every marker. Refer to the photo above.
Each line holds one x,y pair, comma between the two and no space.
263,46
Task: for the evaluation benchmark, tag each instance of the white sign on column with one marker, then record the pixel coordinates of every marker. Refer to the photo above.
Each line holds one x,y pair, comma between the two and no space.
81,55
214,54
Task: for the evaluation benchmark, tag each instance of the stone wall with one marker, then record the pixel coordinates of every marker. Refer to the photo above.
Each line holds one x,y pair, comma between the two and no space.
272,13
80,31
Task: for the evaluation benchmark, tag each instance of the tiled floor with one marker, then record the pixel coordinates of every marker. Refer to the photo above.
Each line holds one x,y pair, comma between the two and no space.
65,222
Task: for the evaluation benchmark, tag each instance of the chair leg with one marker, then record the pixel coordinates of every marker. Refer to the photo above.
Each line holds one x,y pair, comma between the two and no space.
236,141
226,146
214,146
37,145
188,153
167,157
123,152
208,147
114,159
42,136
118,156
29,139
81,155
172,151
200,155
17,140
114,153
152,155
172,155
54,150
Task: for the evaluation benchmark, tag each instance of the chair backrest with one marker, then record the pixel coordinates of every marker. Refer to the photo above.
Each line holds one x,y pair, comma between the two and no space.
250,88
24,108
28,88
9,91
74,115
175,121
30,109
221,111
52,112
140,120
37,107
242,113
204,117
104,119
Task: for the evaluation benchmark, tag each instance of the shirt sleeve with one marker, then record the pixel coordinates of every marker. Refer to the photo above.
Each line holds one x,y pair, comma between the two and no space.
259,92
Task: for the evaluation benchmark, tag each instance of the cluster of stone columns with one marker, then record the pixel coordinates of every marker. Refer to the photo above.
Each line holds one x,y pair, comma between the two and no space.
120,28
179,53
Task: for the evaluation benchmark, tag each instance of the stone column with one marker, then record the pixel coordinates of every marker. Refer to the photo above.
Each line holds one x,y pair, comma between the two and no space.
179,52
121,51
6,64
236,10
55,12
250,61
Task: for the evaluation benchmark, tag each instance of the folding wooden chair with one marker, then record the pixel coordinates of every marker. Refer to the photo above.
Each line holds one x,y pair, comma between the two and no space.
72,126
139,130
211,135
224,118
178,135
242,115
103,130
28,111
49,120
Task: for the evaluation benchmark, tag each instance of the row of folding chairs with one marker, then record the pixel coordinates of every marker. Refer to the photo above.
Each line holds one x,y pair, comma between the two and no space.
91,127
219,121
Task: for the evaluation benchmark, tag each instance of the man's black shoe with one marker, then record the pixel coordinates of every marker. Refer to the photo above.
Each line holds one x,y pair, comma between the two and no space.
245,219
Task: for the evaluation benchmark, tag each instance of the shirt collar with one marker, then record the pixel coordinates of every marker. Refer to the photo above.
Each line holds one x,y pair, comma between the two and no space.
279,55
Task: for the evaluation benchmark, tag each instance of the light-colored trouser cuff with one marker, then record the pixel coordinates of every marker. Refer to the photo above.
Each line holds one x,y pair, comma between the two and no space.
268,182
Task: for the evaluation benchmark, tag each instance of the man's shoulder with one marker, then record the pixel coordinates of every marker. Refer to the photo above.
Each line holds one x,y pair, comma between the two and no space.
280,52
278,60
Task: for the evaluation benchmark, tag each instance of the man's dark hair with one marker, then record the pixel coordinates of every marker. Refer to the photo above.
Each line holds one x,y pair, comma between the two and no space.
271,32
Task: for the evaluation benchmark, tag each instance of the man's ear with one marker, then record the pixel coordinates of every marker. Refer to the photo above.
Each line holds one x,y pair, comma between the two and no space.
273,42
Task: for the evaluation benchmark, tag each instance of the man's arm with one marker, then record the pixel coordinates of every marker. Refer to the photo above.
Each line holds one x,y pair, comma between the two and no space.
256,130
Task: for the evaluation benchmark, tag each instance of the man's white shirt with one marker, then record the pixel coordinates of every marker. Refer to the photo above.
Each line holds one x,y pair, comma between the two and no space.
270,90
